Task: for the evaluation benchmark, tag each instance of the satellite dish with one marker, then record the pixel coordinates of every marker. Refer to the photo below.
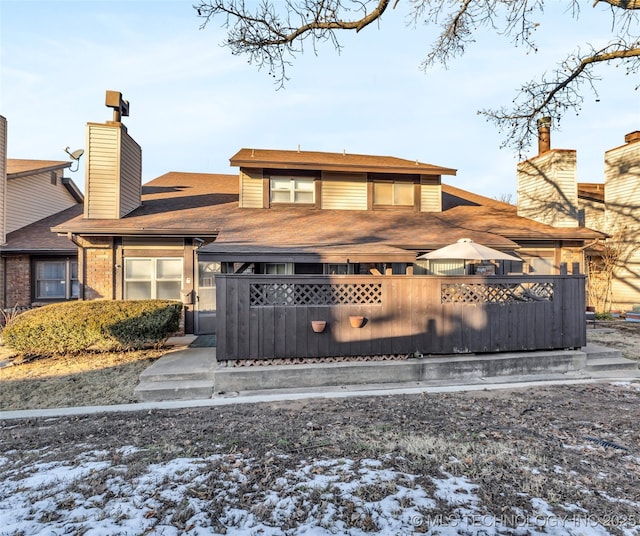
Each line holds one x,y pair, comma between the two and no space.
75,155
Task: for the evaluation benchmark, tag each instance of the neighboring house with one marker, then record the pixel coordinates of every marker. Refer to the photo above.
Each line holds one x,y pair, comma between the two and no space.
287,213
548,192
37,266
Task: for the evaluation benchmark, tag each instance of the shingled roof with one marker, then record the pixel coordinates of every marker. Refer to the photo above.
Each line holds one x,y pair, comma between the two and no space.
17,167
206,205
38,238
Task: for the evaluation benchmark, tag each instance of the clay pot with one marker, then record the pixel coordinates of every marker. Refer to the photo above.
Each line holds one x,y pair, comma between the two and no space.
318,326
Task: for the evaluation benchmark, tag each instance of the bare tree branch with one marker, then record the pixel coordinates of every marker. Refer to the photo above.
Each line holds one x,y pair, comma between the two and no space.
558,93
270,35
273,32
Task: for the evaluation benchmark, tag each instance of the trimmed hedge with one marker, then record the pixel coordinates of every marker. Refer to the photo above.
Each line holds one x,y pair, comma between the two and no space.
73,327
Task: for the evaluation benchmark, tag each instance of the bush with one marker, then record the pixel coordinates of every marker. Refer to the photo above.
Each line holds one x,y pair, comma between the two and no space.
73,327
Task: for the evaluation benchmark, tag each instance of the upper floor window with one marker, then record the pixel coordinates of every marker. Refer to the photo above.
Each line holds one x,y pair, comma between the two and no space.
393,193
293,190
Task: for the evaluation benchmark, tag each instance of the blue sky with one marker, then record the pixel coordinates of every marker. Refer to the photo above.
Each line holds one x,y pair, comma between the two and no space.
193,104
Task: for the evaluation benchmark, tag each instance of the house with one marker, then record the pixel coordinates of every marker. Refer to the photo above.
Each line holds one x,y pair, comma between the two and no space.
37,266
314,216
549,192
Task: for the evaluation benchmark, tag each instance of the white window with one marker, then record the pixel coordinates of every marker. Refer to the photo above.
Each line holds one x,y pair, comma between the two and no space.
293,190
393,193
152,278
56,280
278,268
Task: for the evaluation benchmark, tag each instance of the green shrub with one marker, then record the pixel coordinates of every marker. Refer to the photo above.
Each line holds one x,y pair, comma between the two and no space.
73,327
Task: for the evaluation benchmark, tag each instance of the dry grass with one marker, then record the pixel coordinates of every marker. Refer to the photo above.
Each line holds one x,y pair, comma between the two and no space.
625,336
83,380
110,378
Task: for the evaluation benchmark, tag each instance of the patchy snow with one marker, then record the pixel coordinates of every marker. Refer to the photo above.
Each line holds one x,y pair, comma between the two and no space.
103,494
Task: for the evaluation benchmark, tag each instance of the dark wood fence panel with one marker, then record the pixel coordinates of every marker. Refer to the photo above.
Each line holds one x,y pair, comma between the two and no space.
263,317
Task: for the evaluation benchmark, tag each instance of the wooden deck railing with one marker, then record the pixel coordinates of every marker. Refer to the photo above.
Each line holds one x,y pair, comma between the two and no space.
263,317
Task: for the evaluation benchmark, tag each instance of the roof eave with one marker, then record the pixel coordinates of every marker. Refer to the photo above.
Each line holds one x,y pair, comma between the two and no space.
350,168
141,231
27,172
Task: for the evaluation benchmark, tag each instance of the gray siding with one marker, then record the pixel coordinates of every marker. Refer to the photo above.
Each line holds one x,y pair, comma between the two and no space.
344,191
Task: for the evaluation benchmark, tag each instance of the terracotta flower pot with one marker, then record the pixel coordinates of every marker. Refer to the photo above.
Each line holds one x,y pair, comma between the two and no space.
356,321
318,326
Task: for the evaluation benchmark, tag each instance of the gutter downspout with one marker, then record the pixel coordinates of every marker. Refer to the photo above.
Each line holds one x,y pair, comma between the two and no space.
73,238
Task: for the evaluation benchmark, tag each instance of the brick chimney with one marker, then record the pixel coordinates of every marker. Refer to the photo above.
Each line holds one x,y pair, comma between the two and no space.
544,135
113,165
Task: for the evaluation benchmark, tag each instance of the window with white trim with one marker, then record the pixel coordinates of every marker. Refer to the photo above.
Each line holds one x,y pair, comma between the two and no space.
300,190
393,193
56,279
152,278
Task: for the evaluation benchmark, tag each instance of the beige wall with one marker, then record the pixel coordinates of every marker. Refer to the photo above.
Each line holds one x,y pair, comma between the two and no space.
430,194
622,205
548,190
3,178
344,191
251,188
33,197
113,172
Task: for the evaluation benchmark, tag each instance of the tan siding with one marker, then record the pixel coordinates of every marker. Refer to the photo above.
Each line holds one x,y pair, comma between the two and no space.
430,194
251,188
3,178
344,191
622,202
130,175
102,171
114,172
548,190
31,198
593,214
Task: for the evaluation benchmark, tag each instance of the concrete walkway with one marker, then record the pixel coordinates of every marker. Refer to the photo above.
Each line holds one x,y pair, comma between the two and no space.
192,373
595,364
235,398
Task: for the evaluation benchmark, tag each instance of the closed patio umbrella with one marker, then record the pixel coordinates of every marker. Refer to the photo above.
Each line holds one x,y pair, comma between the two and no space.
467,249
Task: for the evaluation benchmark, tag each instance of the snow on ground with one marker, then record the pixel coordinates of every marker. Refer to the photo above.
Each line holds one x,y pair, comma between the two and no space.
107,494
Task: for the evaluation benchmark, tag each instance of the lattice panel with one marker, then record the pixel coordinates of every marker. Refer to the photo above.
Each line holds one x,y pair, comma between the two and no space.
294,294
496,293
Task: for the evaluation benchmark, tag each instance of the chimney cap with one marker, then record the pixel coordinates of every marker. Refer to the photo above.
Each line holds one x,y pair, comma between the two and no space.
544,122
632,136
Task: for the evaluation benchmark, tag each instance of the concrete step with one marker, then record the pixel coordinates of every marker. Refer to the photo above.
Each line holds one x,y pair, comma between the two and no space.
595,351
190,365
611,363
450,370
601,360
155,391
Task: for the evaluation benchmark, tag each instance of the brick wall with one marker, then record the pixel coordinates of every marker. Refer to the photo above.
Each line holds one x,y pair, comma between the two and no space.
98,266
18,281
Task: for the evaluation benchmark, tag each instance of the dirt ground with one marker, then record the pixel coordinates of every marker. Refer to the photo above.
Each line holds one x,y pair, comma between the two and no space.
576,448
